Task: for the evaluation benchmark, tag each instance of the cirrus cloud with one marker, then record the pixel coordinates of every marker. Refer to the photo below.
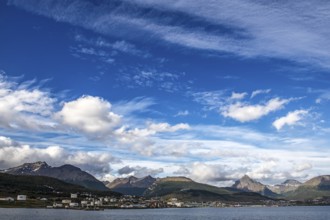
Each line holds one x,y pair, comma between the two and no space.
24,106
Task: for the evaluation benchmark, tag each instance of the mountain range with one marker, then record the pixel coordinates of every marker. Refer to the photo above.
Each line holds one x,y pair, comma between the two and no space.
66,173
131,185
183,187
244,189
249,185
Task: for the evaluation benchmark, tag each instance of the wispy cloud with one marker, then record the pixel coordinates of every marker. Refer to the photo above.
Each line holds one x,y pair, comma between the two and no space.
260,91
138,104
287,30
182,113
151,78
24,106
116,46
86,53
324,96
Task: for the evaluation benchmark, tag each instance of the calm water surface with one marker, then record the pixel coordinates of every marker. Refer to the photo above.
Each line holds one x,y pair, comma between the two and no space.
280,213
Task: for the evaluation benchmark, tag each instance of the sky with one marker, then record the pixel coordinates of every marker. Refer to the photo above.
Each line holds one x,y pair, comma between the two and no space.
211,90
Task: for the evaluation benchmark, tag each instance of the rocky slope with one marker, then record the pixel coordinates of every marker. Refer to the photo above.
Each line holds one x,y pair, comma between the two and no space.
168,185
317,187
285,187
186,189
131,185
66,173
249,185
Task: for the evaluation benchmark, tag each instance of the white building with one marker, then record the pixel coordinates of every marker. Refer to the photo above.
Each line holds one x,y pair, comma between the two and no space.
21,198
74,204
66,201
58,205
84,203
74,195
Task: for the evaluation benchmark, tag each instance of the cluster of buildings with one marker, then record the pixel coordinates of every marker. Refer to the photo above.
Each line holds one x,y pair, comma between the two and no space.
91,202
11,199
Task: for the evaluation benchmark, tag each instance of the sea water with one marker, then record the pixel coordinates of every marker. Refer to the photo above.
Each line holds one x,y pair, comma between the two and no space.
264,213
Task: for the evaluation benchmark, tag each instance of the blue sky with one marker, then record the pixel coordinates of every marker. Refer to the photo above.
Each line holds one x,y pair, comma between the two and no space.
211,90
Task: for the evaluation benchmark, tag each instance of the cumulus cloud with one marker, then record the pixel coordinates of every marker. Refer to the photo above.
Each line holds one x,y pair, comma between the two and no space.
144,140
24,106
292,118
88,114
139,171
214,172
244,112
302,167
13,154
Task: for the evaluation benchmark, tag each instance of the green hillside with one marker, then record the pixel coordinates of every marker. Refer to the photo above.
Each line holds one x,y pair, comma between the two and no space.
166,186
33,186
185,189
194,195
312,189
306,193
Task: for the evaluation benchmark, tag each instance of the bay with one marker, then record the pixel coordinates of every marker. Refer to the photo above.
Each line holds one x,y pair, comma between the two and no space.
263,213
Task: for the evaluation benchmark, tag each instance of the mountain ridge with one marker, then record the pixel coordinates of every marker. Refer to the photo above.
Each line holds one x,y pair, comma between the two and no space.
249,185
177,185
67,173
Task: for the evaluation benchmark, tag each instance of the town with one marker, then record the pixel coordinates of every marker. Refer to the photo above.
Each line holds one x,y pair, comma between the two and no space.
88,201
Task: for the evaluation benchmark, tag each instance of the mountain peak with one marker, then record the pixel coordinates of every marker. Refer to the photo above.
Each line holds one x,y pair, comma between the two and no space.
67,173
69,167
319,180
36,164
250,185
246,177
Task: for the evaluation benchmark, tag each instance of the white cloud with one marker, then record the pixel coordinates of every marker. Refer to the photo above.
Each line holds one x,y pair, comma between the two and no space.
210,99
258,28
89,114
139,171
151,129
238,96
302,167
292,118
324,96
13,154
244,112
24,106
296,31
165,81
182,113
122,45
139,104
260,91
